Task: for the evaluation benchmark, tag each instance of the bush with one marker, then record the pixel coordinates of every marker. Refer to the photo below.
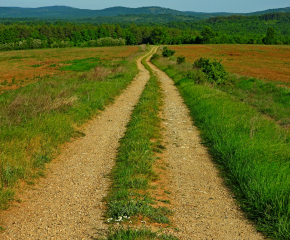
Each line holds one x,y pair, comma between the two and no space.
214,70
108,41
180,60
167,52
36,43
155,56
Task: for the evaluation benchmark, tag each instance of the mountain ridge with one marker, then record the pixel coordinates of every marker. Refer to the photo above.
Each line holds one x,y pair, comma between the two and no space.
65,12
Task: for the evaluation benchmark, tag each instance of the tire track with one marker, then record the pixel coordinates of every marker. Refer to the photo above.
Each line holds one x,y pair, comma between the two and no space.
204,207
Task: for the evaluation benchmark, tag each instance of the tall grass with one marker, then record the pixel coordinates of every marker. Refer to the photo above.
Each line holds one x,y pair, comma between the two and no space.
267,97
35,120
253,152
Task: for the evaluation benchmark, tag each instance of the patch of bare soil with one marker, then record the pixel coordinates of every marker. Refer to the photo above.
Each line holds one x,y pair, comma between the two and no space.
67,204
203,207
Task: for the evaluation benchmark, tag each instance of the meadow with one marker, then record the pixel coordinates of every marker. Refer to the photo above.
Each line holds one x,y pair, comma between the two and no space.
20,68
36,119
265,62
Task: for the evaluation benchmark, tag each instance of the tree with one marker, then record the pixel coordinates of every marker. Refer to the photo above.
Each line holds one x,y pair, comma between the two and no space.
130,38
159,35
207,33
270,37
119,31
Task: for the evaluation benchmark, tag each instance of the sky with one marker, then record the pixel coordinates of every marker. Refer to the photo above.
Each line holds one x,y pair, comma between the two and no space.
233,6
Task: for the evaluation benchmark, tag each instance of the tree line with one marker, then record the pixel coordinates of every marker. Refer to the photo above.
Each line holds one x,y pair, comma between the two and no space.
19,35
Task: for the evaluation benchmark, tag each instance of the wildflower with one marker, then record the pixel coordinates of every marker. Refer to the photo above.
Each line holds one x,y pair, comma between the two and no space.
109,220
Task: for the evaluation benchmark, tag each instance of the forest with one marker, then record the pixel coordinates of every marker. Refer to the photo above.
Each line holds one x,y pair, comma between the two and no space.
270,28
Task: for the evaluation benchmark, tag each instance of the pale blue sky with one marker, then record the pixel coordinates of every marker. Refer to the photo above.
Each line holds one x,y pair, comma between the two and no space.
237,6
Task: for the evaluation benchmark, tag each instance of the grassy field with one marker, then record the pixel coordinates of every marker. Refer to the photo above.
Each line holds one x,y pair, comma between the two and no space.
259,61
36,119
19,68
250,147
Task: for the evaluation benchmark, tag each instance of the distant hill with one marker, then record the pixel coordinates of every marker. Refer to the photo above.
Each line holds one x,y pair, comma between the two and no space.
125,20
239,24
285,10
63,12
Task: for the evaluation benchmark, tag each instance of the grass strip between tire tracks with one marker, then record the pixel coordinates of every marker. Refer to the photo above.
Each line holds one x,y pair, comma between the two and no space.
252,152
128,200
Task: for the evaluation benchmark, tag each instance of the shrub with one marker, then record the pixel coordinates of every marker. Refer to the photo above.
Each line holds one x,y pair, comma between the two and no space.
155,56
22,44
199,76
108,41
214,70
36,43
180,60
167,52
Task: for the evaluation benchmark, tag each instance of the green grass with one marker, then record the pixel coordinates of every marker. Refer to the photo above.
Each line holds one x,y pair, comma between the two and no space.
80,65
140,234
252,151
36,65
267,97
35,120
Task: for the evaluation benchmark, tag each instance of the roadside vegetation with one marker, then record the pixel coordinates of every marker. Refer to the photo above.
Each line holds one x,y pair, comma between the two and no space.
36,119
240,122
130,202
269,63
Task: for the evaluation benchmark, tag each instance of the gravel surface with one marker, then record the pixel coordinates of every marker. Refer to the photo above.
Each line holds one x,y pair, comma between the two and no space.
203,207
67,204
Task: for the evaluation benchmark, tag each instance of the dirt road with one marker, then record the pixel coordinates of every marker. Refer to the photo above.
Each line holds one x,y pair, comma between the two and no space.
67,204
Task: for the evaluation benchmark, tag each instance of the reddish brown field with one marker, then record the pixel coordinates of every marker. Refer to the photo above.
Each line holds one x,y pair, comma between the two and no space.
259,61
17,65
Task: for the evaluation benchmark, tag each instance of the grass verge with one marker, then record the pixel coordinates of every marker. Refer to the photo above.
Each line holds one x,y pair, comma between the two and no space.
267,97
35,120
253,152
129,200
